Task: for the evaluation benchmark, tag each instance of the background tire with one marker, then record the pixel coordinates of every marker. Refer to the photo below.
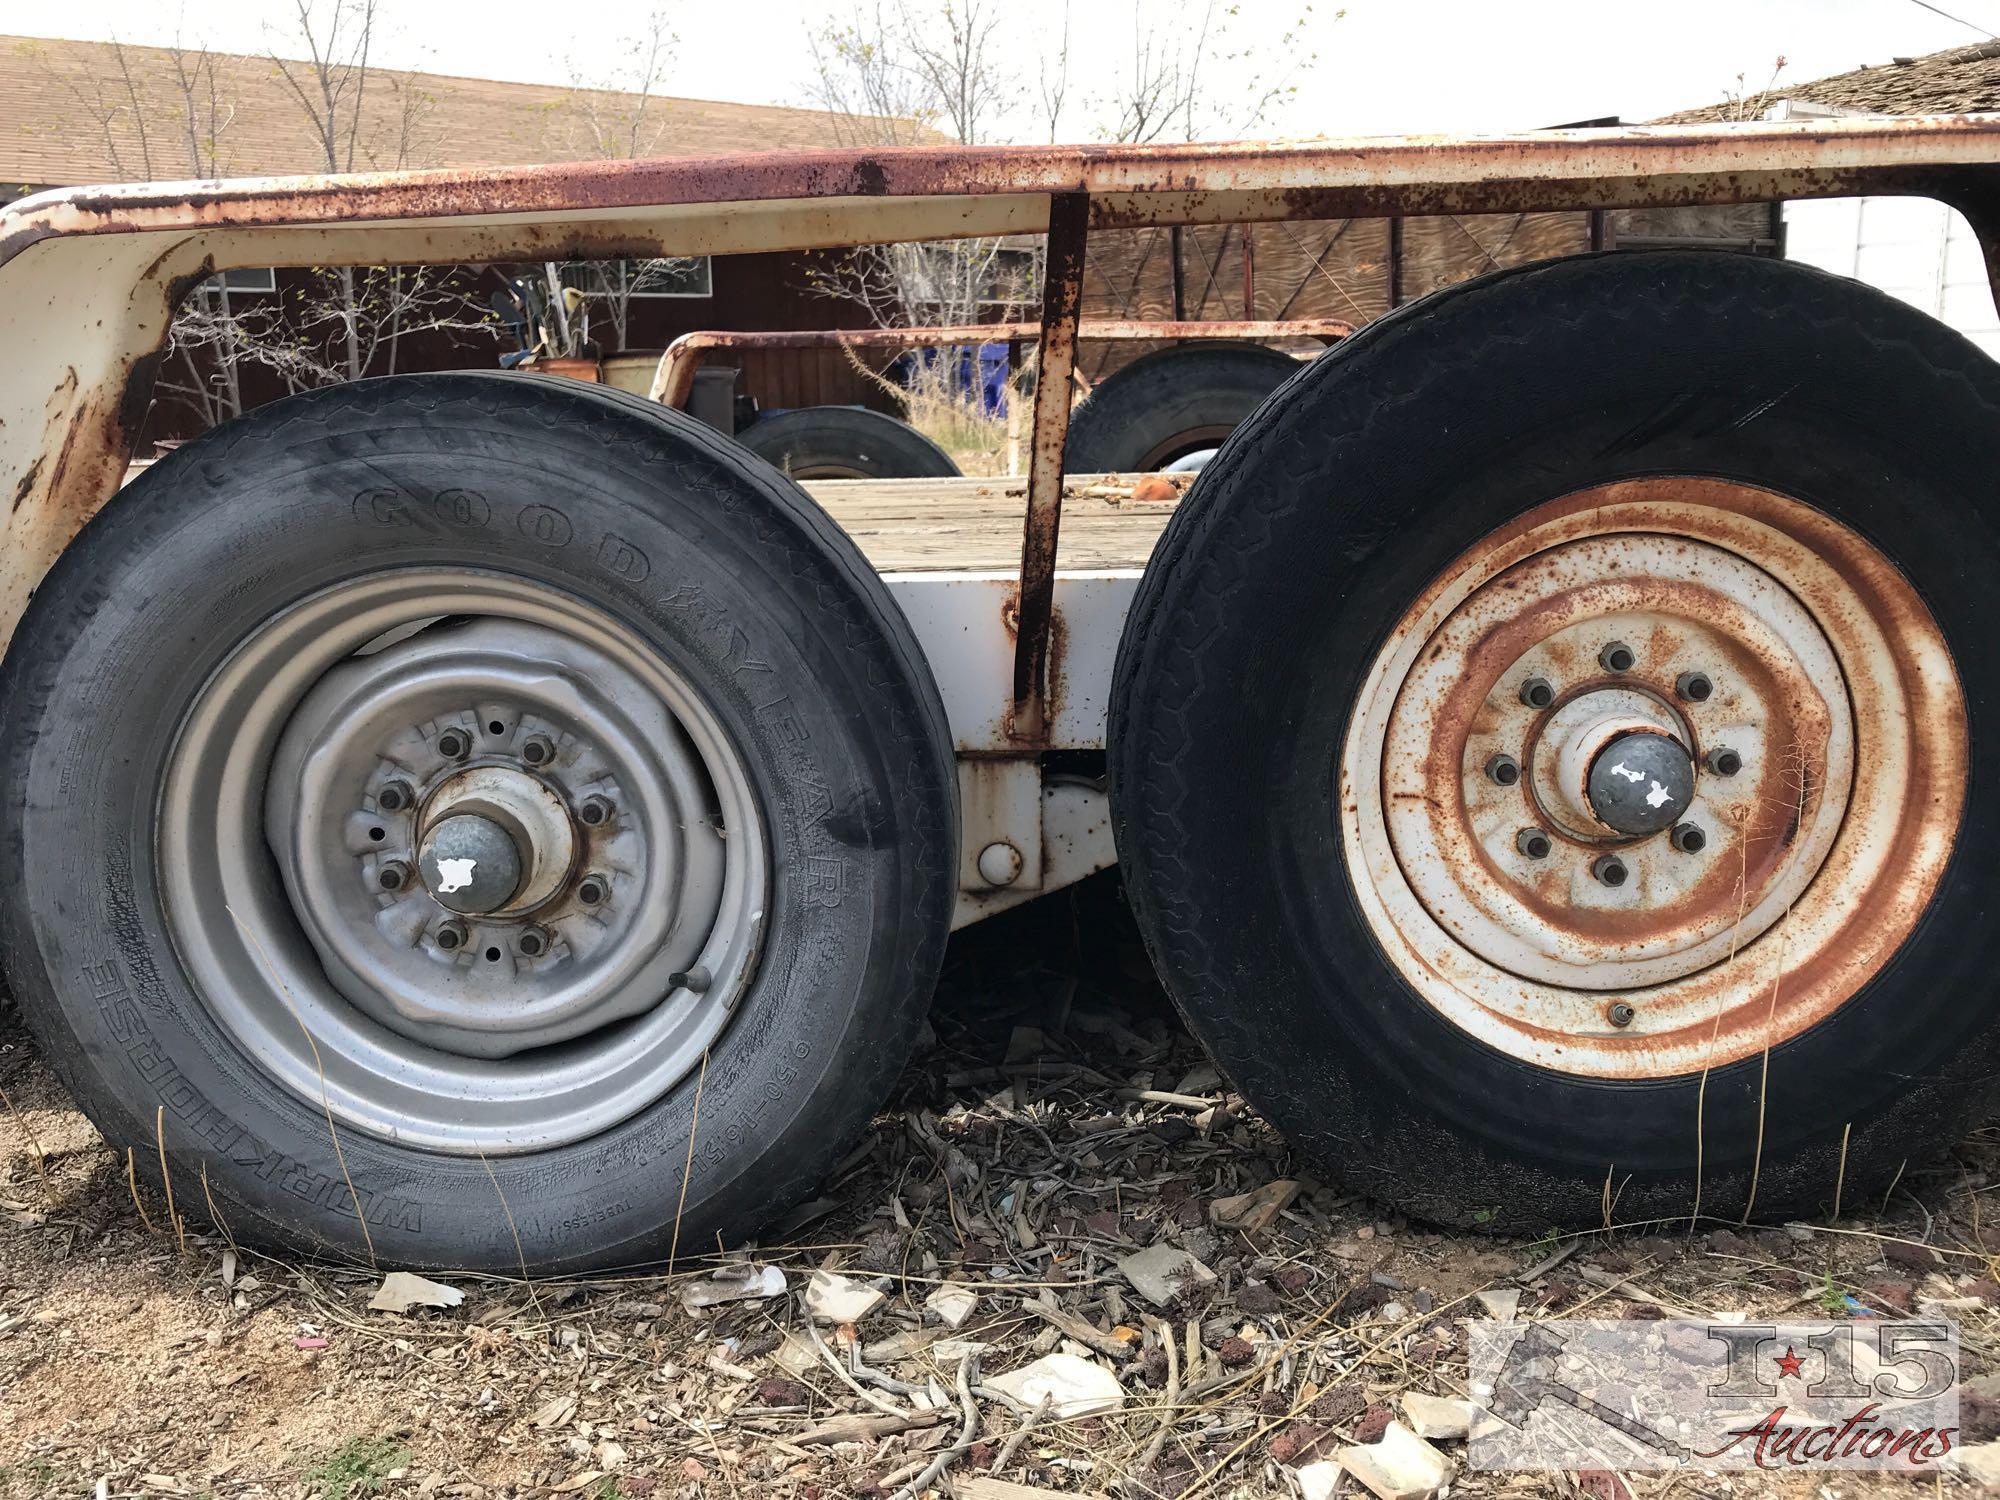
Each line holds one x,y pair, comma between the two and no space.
845,442
1323,520
637,514
1170,403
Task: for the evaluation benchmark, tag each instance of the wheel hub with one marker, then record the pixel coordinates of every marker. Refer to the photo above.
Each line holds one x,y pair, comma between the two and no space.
470,864
1601,792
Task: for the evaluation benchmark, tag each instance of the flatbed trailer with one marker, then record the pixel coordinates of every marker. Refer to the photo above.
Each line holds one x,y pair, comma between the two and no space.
486,820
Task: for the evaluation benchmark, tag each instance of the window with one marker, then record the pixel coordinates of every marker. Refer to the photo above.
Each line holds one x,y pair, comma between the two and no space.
247,279
676,276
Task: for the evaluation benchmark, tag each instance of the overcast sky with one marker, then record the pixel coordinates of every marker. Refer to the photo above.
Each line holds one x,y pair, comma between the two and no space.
1383,66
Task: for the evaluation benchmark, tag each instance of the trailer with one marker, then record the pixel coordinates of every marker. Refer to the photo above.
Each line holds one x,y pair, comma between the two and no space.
493,821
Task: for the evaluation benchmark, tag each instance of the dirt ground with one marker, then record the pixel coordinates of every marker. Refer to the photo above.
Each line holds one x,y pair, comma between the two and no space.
1060,1120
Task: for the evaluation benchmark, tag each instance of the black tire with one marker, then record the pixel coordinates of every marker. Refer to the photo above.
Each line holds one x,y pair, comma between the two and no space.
1171,403
720,565
845,442
1324,518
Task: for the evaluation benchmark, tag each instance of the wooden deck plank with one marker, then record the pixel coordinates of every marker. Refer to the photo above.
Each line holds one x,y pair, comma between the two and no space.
972,525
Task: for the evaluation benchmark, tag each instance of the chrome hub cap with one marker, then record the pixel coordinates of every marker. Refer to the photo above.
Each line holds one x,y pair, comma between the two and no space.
1653,778
520,874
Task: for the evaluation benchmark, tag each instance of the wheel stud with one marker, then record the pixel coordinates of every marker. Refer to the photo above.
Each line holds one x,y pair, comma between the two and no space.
1617,657
451,936
1537,693
1694,686
1533,843
1503,770
453,745
591,891
1688,839
1620,1014
538,751
1723,761
533,943
393,876
1609,869
395,797
595,811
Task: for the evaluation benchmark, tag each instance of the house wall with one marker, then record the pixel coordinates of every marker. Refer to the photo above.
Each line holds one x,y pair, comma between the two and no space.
1914,248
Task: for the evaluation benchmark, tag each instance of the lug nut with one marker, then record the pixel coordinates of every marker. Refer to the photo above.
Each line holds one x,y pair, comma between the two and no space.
1723,761
1621,1014
393,876
394,797
1694,686
451,936
538,751
453,745
591,891
1533,843
595,811
1688,839
1609,869
533,943
1617,657
1503,770
1537,693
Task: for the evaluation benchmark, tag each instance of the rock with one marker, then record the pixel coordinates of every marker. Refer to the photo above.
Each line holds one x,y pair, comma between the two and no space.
741,1282
1235,1352
1437,1418
833,1298
1075,1387
1316,1481
1980,1462
400,1291
953,1304
796,1354
1894,1295
1155,487
1159,1272
1501,1303
1257,1298
774,1390
1400,1467
1256,1210
1372,1423
1295,1441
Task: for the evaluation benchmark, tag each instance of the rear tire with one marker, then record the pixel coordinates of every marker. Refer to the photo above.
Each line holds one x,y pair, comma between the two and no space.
845,442
1699,440
757,665
1168,404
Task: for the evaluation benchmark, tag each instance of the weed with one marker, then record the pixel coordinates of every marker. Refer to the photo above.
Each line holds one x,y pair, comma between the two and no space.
357,1467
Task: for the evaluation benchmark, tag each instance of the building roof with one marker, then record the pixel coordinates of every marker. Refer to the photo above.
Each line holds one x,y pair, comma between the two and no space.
1964,80
73,113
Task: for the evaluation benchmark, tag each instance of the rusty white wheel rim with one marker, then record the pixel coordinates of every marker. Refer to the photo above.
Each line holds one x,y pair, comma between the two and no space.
1830,681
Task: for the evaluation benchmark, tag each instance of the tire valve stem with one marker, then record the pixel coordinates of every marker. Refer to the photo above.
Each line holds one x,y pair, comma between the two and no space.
696,979
1620,1014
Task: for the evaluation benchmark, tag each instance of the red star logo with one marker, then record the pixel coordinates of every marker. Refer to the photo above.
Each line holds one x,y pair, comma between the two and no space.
1790,1363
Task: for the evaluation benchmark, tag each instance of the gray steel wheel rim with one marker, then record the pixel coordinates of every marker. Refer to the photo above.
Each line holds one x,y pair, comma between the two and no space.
261,978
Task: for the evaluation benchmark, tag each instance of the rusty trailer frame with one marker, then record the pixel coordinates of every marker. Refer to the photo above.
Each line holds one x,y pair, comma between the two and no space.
90,275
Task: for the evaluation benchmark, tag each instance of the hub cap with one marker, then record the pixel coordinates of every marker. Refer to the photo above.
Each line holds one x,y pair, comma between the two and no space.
1615,904
520,874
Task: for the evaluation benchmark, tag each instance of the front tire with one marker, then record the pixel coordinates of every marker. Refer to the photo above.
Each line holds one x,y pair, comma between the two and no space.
293,689
1674,503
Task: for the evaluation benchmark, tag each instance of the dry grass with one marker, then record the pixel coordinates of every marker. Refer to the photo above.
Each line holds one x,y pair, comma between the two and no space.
1061,1119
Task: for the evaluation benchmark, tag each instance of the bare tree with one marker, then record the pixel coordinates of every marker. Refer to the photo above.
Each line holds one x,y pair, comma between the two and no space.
621,117
1168,89
362,314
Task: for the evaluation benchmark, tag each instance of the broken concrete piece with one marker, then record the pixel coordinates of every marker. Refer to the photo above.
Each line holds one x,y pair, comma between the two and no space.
1254,1211
1437,1418
796,1355
1316,1480
1402,1466
1980,1462
1159,1272
1074,1387
833,1298
740,1282
1501,1302
400,1291
952,1304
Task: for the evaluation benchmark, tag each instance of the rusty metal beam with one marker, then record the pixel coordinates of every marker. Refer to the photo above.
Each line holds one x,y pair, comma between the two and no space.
1062,307
675,377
